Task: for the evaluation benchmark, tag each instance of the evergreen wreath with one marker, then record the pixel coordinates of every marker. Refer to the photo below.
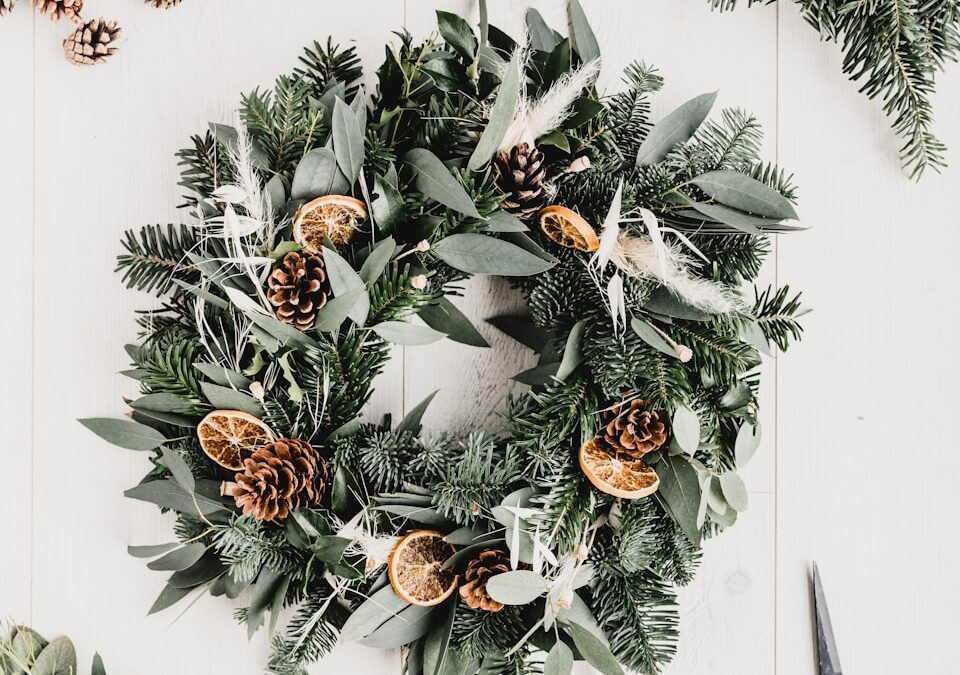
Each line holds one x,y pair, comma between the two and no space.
322,222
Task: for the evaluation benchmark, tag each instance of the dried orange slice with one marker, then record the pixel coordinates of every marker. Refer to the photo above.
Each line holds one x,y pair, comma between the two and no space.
230,436
617,473
568,228
335,216
416,568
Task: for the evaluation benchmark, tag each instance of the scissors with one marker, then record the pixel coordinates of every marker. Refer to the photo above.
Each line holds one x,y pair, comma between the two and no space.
826,643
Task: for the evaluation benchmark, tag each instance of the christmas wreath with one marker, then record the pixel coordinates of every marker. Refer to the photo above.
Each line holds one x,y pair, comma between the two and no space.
323,221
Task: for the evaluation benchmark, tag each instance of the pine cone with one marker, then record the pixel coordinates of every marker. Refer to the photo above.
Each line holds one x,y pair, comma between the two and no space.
92,42
633,430
519,174
473,590
278,478
163,4
298,287
58,9
6,6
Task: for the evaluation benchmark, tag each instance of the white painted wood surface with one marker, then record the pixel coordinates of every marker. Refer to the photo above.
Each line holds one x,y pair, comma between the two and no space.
857,468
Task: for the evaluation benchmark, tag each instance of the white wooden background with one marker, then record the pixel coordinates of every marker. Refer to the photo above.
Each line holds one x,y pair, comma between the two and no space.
859,466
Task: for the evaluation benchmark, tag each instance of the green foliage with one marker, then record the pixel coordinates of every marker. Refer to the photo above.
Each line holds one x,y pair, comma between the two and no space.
311,633
247,545
629,115
477,633
322,66
777,315
282,123
478,480
156,255
895,48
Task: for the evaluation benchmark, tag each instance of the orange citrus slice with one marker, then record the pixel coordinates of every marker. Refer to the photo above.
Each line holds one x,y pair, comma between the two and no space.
568,228
617,473
416,568
335,216
230,436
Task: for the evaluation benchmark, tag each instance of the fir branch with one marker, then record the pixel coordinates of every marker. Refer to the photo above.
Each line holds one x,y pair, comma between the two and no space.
156,256
777,313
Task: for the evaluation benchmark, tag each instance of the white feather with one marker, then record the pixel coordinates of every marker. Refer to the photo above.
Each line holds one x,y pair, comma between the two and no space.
616,301
656,238
536,118
638,257
610,231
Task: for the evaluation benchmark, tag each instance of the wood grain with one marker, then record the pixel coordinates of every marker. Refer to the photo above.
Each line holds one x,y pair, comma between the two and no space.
16,354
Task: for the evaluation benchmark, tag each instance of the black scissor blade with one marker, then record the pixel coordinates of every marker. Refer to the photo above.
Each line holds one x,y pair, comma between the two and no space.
826,643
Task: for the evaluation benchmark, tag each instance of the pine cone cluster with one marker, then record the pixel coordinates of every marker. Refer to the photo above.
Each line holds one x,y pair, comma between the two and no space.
92,42
632,429
519,175
473,590
280,477
57,9
298,288
163,4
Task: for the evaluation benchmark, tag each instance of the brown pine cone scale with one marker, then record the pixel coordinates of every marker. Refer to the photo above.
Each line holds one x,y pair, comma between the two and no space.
630,428
163,4
279,478
6,6
57,9
92,42
519,175
298,288
473,590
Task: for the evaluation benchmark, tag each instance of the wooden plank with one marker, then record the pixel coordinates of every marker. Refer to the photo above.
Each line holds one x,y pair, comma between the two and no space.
867,463
16,357
106,138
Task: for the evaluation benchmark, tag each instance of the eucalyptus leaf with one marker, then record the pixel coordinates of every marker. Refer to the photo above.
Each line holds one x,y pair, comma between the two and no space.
745,193
444,316
276,192
502,221
318,175
523,330
169,495
179,559
178,469
518,587
404,333
124,433
715,498
501,115
347,140
677,127
208,568
458,34
436,646
559,660
335,312
584,41
571,352
151,551
542,374
408,625
343,280
725,519
57,658
734,490
388,208
162,402
647,333
748,440
666,302
418,514
736,219
436,182
98,668
686,429
411,421
542,37
222,376
377,261
593,649
480,254
168,596
680,490
737,396
225,398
